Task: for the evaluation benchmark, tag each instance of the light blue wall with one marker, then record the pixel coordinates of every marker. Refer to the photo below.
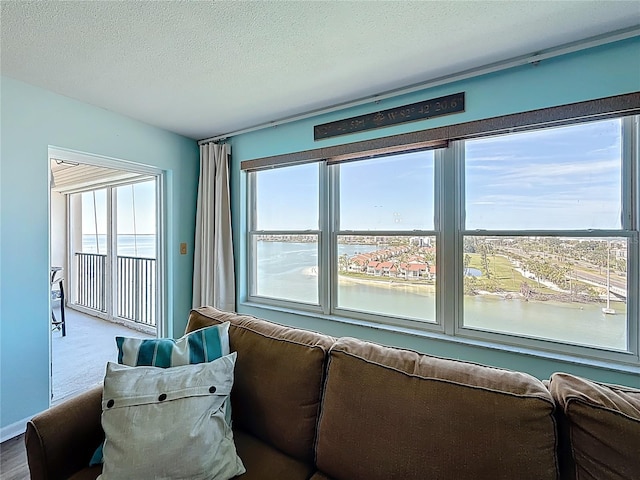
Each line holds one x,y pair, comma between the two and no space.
599,72
33,119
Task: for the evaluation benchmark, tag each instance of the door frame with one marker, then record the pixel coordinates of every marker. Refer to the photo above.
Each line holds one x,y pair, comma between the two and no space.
74,156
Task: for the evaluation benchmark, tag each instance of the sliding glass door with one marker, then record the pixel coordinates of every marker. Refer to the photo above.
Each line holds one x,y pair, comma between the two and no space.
113,250
135,268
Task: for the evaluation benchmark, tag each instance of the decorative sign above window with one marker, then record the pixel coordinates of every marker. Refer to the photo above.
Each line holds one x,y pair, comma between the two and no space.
435,107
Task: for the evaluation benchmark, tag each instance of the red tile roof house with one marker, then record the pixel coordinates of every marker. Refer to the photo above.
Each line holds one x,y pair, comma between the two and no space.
417,270
384,269
371,267
358,264
403,270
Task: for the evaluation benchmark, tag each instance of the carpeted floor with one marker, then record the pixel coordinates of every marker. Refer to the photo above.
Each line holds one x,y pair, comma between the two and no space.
79,358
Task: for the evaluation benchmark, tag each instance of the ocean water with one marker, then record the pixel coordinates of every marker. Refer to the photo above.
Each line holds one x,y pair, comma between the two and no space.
128,245
288,270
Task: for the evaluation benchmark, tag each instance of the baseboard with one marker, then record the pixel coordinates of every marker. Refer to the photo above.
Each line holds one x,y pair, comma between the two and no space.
13,430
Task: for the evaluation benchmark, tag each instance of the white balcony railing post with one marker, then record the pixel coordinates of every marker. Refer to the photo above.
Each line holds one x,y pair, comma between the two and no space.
135,290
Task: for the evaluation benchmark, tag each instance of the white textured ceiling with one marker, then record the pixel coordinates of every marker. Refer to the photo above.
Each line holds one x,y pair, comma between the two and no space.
208,68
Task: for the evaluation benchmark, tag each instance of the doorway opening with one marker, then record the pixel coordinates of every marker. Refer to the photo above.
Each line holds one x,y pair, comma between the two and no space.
106,243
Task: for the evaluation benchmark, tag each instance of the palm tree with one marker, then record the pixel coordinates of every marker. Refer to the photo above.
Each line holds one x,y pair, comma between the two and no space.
343,262
466,261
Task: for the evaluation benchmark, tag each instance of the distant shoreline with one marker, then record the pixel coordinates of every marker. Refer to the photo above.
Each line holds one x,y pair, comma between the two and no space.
385,282
389,283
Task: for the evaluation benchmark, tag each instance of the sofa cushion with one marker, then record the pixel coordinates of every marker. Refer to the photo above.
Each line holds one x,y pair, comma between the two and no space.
278,379
263,462
169,423
603,423
199,346
390,413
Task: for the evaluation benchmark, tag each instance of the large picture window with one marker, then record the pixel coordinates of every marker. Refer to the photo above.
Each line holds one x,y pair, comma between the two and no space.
385,238
528,239
285,234
551,259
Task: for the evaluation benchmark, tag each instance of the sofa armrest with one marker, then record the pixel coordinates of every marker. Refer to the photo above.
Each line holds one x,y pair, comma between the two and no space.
61,440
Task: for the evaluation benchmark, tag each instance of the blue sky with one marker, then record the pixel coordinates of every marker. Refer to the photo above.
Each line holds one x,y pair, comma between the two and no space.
375,194
287,198
560,178
392,193
145,218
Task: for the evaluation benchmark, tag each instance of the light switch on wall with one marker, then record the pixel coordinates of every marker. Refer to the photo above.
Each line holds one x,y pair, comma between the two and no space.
183,249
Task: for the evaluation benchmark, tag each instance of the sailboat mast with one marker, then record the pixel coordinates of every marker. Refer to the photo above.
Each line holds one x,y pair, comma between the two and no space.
608,274
608,310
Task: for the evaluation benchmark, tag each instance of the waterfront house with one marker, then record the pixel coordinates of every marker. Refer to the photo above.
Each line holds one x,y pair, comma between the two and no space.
372,267
358,264
417,270
384,269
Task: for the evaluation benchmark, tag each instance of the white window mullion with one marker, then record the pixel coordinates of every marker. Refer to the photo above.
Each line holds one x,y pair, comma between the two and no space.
633,299
631,221
111,280
250,247
448,244
162,328
628,214
332,226
327,271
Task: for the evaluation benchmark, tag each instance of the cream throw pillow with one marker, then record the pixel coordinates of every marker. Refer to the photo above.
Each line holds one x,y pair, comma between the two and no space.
169,423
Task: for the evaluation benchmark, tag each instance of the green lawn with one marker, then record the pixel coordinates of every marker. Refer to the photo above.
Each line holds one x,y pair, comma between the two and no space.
509,280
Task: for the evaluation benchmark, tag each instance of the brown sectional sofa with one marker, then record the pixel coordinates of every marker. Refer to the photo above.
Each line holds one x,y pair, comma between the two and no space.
309,406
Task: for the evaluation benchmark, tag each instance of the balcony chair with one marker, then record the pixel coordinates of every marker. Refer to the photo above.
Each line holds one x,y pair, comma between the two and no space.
58,278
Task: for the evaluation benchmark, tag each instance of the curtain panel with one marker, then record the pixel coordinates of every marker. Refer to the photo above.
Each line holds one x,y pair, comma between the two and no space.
213,269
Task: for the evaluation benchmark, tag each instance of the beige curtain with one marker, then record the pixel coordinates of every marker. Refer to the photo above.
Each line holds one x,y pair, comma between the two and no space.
213,271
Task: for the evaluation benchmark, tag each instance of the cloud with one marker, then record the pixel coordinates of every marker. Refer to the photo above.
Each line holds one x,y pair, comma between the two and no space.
562,175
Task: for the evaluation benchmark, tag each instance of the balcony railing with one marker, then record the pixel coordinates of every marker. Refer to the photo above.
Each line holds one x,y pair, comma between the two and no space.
136,292
91,281
135,289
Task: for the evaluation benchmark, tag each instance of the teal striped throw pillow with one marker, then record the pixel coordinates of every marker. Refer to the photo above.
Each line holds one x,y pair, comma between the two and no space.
203,345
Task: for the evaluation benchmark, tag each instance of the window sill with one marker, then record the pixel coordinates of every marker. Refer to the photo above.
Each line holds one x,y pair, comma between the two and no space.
618,367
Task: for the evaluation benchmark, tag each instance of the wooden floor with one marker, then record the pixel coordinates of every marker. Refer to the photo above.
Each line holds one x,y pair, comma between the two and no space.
13,460
79,361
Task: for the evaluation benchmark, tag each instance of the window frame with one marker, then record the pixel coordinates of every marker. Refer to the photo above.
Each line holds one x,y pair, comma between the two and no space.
628,229
335,232
253,232
449,231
